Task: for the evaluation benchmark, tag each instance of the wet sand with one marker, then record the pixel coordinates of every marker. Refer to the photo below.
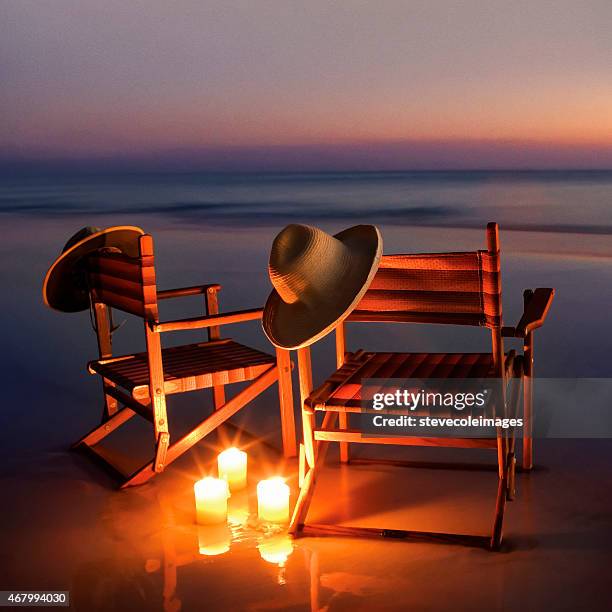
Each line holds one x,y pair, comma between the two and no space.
65,528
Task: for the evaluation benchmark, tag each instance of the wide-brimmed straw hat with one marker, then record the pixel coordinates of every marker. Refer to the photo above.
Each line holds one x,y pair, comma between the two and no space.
65,285
318,280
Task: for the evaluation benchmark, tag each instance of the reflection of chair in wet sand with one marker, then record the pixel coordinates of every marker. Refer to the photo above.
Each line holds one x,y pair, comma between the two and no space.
138,384
446,288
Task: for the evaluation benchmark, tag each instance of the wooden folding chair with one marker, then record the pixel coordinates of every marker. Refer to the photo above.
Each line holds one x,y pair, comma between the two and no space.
139,383
442,288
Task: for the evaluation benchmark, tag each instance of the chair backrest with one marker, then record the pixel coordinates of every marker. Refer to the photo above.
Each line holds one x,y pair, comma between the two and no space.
125,283
453,288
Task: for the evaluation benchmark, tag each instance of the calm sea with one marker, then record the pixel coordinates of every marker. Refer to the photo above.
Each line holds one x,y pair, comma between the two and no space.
574,201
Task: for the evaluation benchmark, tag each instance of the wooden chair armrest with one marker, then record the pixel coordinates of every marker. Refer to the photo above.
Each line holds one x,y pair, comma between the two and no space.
225,318
534,315
185,291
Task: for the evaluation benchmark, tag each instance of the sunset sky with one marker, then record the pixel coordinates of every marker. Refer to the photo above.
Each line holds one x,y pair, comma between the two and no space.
382,83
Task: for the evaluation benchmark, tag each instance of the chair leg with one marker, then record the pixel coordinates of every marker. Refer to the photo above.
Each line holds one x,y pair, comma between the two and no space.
528,424
101,431
211,305
313,452
285,396
218,396
343,423
319,450
498,522
303,503
528,402
308,426
161,451
501,453
516,381
502,490
340,358
111,405
308,418
301,465
308,481
313,460
511,493
103,318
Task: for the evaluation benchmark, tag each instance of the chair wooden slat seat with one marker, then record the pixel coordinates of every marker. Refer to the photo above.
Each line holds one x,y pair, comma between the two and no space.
187,368
343,391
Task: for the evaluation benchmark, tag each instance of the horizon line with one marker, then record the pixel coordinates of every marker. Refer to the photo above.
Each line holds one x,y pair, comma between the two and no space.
134,164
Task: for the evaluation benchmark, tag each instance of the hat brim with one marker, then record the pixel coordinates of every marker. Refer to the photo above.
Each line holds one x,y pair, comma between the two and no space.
293,326
59,289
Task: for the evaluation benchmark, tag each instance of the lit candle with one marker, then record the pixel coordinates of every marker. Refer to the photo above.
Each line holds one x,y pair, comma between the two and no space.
232,464
273,500
211,500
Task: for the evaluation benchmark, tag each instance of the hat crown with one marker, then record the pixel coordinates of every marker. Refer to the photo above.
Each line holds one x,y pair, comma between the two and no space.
83,233
306,262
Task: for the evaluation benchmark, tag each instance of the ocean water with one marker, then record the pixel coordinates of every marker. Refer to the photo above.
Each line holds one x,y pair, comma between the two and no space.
563,201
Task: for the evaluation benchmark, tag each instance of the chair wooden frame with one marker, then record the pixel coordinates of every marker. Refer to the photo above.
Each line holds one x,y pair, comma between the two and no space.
128,284
537,303
507,367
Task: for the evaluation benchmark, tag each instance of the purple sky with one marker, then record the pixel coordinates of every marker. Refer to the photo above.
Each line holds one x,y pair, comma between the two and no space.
379,84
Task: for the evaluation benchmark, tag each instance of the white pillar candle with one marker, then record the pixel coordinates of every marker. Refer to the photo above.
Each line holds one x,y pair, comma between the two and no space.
232,465
273,500
211,500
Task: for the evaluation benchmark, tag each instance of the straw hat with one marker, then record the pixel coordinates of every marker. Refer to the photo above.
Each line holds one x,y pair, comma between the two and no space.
65,285
318,279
